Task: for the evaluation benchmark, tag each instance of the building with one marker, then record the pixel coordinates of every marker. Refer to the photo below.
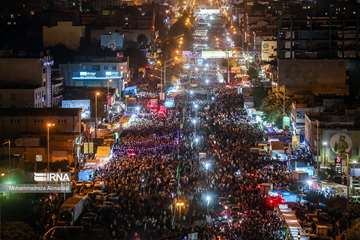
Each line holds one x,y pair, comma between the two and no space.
95,74
22,71
314,76
31,97
298,111
335,140
31,73
101,5
85,97
64,33
317,30
30,82
33,121
112,40
27,130
118,35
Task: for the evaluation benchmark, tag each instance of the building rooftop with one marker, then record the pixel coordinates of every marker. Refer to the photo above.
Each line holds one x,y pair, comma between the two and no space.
7,85
39,112
348,119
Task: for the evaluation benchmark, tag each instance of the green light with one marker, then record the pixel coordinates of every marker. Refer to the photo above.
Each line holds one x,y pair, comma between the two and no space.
9,182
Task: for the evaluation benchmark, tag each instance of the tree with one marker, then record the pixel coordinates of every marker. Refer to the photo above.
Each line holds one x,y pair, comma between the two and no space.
314,197
142,40
253,73
273,106
337,207
354,210
259,94
17,231
354,232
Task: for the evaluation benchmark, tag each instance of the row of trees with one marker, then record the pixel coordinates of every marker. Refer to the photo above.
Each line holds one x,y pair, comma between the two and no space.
342,214
275,105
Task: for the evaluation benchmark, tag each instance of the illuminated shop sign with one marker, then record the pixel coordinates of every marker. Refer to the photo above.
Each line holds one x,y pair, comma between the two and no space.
112,73
87,74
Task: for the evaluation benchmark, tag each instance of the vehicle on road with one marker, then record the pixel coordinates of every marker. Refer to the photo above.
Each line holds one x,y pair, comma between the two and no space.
71,209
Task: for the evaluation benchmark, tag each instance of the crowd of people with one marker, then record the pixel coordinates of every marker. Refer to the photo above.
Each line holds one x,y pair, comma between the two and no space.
144,180
164,166
240,171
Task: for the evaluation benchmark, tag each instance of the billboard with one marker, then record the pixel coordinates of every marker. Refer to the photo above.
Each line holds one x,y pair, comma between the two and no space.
268,50
83,104
209,11
339,148
114,41
86,175
215,54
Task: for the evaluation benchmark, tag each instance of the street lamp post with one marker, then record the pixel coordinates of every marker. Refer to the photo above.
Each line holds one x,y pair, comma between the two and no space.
163,79
48,126
96,120
317,148
227,57
8,142
108,93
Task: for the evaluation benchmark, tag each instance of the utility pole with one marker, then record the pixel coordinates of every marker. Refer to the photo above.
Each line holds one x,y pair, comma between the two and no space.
48,126
284,100
9,152
96,112
8,142
317,148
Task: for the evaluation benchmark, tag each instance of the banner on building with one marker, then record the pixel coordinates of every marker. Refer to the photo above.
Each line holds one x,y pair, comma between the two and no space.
268,50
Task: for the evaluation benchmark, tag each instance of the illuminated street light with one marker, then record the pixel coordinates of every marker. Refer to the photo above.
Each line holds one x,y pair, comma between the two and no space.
324,143
196,140
196,106
207,165
180,204
207,198
207,81
194,121
309,182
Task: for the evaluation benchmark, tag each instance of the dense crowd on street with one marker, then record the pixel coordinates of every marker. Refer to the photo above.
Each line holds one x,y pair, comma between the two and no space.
239,172
144,180
163,165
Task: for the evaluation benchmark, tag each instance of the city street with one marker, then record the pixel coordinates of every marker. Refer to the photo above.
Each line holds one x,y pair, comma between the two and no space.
180,120
190,171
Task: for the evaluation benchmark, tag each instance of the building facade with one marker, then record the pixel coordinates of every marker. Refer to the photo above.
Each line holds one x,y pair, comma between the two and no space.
33,121
64,33
95,74
335,140
23,98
